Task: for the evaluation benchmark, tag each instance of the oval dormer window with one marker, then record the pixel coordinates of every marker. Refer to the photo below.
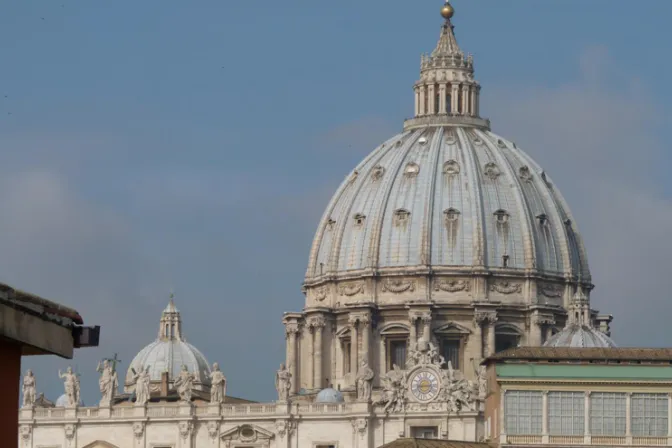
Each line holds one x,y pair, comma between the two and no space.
412,169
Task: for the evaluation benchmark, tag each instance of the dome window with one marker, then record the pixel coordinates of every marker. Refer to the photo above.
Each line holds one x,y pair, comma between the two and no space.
451,167
422,140
491,170
451,214
501,143
399,142
568,222
330,224
411,170
478,141
501,216
401,217
377,173
505,261
354,176
359,219
525,174
543,219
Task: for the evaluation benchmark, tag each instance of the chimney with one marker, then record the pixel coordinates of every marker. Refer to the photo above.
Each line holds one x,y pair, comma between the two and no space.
164,384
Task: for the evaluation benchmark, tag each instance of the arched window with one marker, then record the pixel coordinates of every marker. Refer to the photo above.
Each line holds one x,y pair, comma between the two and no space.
507,336
172,331
395,337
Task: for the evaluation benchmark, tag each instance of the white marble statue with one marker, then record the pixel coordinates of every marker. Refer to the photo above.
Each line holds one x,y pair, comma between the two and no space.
71,384
218,385
457,391
364,382
283,380
108,382
184,384
142,379
482,382
394,391
29,392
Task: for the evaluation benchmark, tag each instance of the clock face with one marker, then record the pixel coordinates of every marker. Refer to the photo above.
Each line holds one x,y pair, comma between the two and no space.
425,385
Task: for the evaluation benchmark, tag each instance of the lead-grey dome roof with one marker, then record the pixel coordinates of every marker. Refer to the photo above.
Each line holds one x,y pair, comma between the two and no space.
580,336
447,196
169,353
329,395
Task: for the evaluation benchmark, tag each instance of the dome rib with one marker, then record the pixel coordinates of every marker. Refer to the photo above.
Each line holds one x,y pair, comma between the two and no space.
345,224
479,241
428,212
474,187
523,206
552,209
409,141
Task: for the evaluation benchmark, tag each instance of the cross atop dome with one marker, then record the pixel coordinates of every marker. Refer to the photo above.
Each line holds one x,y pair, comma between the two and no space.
447,93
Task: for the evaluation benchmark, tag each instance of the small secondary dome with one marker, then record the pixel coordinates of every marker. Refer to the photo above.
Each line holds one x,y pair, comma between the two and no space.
169,353
580,336
579,331
329,395
62,402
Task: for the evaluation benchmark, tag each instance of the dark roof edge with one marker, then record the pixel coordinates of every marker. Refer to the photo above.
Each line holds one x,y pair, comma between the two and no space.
40,305
581,354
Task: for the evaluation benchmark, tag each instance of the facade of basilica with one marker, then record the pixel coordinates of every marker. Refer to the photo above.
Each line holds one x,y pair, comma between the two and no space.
446,245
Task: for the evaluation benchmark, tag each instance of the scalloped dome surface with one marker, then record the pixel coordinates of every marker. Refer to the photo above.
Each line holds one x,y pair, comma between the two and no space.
580,336
169,356
447,196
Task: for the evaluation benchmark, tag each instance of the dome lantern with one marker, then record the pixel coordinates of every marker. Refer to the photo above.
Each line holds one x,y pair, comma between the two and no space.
447,92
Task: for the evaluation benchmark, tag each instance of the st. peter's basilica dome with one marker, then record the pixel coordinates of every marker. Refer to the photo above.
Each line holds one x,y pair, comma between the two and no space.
169,353
446,233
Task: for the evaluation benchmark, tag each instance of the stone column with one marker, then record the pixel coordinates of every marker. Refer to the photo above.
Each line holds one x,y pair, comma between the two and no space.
478,106
426,326
431,93
318,324
472,97
535,330
417,102
423,106
365,322
454,97
291,332
354,342
465,100
491,320
412,317
311,355
442,99
478,334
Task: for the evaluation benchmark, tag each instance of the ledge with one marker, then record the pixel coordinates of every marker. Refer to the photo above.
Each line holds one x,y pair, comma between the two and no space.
446,120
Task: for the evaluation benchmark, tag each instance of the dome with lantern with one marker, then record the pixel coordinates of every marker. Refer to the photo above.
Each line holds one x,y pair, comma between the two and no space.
446,231
168,354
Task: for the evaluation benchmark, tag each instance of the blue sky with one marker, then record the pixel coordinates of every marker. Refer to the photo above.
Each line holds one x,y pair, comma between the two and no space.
158,145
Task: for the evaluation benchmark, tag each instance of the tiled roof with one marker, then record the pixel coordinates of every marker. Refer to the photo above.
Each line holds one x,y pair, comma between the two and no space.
583,354
429,443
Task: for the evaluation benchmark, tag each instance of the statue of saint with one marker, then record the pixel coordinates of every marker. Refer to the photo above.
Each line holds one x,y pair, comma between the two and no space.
71,384
29,389
108,382
217,385
185,384
141,379
283,380
364,381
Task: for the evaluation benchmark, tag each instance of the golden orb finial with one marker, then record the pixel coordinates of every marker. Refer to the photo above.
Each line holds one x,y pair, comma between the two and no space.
447,11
